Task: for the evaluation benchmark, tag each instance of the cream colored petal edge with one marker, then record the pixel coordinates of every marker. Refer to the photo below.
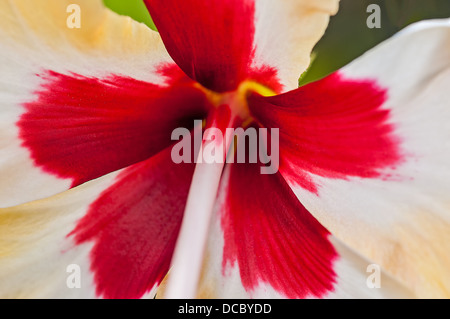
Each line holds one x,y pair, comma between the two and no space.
286,32
46,21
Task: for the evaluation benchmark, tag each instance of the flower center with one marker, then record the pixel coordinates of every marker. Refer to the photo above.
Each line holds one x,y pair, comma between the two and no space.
237,100
230,110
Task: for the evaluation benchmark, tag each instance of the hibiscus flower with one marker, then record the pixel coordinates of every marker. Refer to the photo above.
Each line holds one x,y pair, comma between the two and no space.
88,181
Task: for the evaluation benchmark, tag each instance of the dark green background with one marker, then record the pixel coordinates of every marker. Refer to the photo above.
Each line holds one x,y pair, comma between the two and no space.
347,36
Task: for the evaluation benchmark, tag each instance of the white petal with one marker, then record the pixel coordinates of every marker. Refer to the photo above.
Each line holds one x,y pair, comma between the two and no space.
403,221
286,32
35,38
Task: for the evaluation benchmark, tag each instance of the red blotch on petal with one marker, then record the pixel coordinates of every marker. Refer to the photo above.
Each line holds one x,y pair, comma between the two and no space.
212,41
134,225
81,128
335,128
272,237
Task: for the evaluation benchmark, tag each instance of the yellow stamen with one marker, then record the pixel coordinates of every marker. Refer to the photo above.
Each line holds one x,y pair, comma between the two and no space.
237,100
252,86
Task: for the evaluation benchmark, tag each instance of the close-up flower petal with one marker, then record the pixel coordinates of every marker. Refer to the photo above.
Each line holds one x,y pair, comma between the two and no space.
120,229
221,43
72,109
274,248
214,153
373,162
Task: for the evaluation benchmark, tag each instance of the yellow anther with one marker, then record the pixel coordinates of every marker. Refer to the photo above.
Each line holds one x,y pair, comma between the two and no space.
237,100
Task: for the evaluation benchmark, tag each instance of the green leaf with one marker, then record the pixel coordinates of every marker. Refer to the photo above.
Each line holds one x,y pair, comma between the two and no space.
134,8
